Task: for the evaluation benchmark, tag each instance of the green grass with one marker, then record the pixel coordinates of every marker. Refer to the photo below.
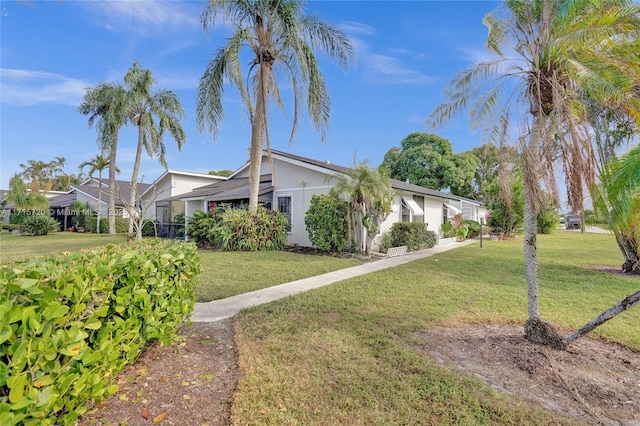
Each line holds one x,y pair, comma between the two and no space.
348,353
19,247
226,274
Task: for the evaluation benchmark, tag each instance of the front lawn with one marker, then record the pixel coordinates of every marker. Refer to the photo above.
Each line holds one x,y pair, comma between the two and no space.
19,247
349,353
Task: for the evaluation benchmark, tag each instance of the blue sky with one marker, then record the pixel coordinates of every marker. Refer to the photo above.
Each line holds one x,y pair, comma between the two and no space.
51,51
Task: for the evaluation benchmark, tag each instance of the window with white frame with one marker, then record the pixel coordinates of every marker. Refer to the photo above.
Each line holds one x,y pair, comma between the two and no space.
284,207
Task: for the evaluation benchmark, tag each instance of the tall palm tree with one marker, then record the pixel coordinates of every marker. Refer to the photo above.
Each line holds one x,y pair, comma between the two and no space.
281,39
370,193
549,54
153,114
97,164
105,106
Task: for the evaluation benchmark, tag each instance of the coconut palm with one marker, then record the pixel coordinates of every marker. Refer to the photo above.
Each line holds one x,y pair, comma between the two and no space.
152,114
104,104
281,39
97,164
549,56
370,194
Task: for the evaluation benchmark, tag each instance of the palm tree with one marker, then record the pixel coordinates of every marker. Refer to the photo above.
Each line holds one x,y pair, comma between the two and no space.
104,104
153,114
550,54
97,164
281,39
370,193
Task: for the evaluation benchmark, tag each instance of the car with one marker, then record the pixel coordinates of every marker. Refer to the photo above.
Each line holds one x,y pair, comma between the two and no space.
572,221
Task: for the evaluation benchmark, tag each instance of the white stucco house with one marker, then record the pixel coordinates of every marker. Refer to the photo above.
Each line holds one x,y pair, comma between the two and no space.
289,186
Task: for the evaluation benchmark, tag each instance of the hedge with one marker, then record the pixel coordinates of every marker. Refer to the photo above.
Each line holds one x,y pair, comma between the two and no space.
69,323
122,225
414,235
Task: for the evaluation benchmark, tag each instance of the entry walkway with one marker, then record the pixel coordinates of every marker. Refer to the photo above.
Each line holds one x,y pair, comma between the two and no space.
218,310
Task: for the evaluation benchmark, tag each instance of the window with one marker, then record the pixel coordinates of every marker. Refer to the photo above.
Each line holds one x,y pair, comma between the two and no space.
162,211
445,214
420,201
284,207
406,213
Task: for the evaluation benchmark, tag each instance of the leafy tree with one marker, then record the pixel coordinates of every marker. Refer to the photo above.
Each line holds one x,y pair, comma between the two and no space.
223,172
506,208
549,56
97,164
50,176
26,198
370,193
486,172
613,129
280,38
105,106
152,114
428,160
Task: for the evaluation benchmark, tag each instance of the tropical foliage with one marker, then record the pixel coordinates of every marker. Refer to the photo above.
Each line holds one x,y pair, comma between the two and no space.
327,222
97,164
428,160
281,40
549,56
370,193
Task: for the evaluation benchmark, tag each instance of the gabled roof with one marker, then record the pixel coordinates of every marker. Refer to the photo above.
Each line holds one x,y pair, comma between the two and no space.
232,189
183,173
93,192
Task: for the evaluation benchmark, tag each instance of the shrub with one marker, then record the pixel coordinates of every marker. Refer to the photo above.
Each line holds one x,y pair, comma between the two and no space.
326,223
16,218
71,322
473,226
240,230
39,225
122,224
200,225
148,228
413,235
548,221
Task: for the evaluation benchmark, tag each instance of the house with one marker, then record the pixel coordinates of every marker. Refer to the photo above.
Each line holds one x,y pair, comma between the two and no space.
289,186
162,192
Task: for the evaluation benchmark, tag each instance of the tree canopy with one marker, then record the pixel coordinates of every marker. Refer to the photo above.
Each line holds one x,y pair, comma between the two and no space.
428,160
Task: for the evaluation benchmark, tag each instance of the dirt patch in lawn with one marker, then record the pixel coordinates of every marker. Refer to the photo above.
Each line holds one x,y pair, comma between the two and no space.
190,382
594,381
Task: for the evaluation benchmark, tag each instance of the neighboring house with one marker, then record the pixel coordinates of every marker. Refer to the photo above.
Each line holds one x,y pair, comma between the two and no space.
289,186
8,208
89,192
158,200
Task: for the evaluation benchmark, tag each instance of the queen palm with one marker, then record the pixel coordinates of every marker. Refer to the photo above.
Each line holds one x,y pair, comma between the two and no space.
104,104
97,164
280,38
549,54
152,114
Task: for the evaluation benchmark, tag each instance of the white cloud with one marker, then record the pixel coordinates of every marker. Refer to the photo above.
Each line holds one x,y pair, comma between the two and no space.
383,68
27,87
147,13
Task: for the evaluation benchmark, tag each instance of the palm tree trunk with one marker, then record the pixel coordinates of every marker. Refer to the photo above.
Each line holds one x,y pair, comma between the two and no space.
133,210
605,316
257,134
628,245
99,202
112,187
531,255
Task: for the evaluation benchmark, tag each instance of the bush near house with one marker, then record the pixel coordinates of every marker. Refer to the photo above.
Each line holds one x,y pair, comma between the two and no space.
327,223
414,235
239,230
122,225
69,323
39,225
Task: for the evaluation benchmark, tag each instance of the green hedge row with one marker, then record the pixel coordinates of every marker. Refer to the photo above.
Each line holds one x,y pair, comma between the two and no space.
69,323
414,235
90,225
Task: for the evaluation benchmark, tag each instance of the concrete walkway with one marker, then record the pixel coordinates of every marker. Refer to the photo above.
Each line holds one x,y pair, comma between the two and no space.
218,310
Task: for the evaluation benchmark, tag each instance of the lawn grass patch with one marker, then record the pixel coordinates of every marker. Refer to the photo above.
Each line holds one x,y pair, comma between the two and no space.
348,353
20,247
226,274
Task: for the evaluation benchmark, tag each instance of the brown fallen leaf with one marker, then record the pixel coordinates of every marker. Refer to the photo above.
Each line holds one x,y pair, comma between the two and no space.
264,410
145,414
160,417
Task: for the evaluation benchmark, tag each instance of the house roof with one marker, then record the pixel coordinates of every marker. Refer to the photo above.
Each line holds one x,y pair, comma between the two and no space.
232,189
395,184
66,200
182,173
